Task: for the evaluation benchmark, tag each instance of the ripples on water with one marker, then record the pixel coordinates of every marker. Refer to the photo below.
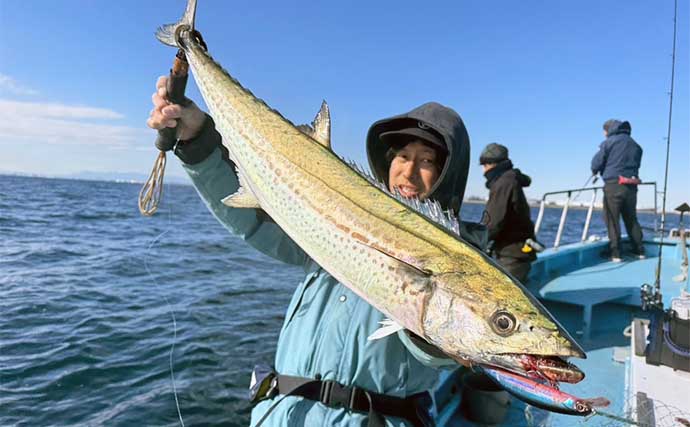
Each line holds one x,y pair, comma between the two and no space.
85,329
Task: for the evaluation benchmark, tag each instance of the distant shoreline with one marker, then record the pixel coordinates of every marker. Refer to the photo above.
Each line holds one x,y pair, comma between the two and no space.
472,200
536,204
174,180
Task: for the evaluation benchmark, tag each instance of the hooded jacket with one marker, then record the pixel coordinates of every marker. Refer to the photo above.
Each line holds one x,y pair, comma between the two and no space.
618,155
326,324
507,214
450,186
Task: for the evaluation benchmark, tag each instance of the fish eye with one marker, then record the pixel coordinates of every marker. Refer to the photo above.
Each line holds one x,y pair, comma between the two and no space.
503,323
582,407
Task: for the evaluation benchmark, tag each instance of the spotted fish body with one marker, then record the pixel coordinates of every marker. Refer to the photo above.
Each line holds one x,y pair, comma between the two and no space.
418,273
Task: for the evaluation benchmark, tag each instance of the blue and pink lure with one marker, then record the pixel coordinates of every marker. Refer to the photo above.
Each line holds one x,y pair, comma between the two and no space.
543,395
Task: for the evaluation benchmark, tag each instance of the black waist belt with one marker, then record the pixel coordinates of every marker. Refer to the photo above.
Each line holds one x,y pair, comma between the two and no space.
336,395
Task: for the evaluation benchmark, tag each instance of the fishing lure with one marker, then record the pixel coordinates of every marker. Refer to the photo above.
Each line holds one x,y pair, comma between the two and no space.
543,395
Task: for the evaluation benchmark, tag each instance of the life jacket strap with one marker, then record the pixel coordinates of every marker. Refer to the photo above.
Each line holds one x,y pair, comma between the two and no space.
413,409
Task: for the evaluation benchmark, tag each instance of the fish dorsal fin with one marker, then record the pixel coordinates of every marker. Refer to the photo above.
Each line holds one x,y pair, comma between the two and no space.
431,209
388,327
320,128
243,197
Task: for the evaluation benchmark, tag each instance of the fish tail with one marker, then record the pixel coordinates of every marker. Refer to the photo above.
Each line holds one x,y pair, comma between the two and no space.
166,34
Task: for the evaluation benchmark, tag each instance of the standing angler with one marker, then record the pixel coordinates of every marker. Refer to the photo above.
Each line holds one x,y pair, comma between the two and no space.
618,162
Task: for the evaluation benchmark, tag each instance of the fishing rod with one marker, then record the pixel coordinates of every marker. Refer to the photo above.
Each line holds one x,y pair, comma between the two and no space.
652,297
592,178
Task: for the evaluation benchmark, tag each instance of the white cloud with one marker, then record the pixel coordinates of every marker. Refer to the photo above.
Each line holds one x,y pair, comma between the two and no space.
8,84
52,123
53,110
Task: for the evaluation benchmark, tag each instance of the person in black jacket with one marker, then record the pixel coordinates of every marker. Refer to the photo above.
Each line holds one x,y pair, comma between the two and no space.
507,214
618,162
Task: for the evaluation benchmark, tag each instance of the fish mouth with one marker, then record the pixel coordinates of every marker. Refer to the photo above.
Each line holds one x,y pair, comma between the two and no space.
552,369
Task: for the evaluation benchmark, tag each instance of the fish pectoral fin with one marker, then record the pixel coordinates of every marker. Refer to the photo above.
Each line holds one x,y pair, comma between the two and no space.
388,327
417,268
242,199
320,128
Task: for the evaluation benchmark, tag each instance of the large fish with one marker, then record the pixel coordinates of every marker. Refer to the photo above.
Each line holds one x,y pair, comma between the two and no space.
403,262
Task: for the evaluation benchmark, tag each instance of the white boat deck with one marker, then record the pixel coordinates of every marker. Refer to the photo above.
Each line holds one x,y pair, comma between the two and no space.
657,394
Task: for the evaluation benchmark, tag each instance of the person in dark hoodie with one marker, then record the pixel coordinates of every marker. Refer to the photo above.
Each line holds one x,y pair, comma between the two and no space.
618,162
507,214
323,341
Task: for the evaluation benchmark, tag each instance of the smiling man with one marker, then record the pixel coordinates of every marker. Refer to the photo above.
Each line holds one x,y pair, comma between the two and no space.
415,166
422,154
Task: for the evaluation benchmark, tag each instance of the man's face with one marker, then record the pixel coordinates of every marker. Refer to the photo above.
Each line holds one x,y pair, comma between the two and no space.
414,170
488,166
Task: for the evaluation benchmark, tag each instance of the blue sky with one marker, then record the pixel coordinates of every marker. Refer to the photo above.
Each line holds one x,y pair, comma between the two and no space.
540,77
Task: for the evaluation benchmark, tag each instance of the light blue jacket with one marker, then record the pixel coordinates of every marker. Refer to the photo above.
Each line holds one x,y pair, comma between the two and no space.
326,325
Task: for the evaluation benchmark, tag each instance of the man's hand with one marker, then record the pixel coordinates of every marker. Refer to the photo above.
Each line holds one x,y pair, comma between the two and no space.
166,114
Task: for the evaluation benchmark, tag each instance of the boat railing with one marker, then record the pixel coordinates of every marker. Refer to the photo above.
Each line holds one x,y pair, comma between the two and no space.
570,196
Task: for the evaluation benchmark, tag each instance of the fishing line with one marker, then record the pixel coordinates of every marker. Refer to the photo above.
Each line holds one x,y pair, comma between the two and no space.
583,187
621,419
657,278
170,310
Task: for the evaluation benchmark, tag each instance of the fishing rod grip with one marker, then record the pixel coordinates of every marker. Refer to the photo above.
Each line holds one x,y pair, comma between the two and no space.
177,83
152,190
